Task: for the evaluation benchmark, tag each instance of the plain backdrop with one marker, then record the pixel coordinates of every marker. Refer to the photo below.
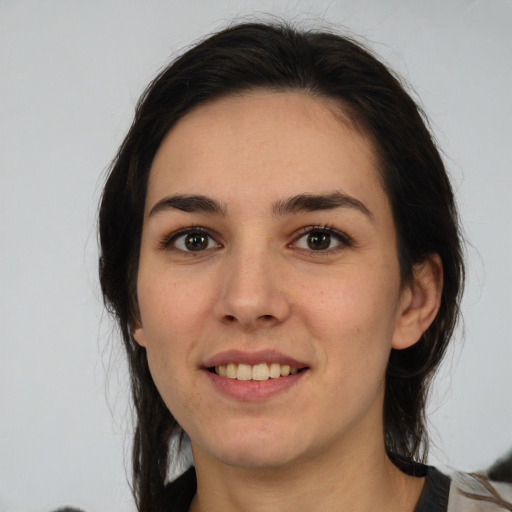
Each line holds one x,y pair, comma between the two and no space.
70,74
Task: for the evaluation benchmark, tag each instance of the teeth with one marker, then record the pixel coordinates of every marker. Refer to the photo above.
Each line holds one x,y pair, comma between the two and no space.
231,371
275,370
244,372
258,372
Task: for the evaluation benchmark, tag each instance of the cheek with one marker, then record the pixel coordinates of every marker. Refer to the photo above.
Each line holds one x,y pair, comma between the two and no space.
170,347
170,308
171,314
353,317
357,300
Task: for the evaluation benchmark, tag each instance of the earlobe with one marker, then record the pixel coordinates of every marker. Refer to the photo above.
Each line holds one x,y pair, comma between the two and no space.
138,336
420,302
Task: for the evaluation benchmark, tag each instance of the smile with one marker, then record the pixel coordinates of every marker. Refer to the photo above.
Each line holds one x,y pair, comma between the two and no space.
254,376
258,372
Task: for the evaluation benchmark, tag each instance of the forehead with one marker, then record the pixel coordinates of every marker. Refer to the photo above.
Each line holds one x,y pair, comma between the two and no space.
265,146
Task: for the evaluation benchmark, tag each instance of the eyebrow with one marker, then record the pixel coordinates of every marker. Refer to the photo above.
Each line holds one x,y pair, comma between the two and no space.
316,202
189,204
291,205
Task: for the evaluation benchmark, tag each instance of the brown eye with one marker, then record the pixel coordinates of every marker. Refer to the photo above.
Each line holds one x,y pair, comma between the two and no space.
322,239
196,242
318,241
193,241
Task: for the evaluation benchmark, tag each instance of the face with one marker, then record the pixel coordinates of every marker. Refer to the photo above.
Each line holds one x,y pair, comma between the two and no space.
269,287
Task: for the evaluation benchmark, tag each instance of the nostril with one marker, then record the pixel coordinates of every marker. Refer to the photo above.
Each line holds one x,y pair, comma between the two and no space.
250,321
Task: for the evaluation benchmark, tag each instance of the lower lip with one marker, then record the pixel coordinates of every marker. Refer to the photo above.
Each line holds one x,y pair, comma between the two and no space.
253,391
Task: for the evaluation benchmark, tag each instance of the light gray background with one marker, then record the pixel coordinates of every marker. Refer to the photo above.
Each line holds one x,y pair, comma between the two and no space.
70,73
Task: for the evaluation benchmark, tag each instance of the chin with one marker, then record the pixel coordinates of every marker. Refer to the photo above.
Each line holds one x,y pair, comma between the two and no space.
254,458
251,450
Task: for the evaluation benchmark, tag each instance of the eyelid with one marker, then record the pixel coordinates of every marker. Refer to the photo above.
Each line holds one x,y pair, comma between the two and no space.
343,239
167,241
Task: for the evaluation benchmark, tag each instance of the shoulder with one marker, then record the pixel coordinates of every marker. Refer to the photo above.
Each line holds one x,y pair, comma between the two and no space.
470,492
458,492
462,492
436,490
180,492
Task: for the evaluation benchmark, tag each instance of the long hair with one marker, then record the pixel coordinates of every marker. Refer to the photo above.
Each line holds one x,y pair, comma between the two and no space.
278,57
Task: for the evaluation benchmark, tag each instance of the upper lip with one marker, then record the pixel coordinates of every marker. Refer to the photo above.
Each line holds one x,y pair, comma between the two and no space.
252,358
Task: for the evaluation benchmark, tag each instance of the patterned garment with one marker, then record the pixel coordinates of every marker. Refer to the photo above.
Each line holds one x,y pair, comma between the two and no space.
440,493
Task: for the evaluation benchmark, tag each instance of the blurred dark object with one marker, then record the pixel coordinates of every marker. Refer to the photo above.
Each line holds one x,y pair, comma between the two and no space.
501,470
68,509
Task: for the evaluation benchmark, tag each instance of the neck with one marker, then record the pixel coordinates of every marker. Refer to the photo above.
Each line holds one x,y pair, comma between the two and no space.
355,479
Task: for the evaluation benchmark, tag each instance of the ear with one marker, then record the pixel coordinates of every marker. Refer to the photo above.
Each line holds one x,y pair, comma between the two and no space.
138,335
419,302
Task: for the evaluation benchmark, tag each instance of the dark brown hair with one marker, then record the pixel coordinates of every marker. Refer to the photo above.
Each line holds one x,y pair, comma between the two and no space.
278,57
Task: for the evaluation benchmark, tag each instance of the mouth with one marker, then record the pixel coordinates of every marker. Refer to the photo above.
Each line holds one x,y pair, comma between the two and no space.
258,372
254,376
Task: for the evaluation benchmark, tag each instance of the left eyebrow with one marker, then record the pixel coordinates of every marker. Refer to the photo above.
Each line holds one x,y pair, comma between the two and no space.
189,204
317,202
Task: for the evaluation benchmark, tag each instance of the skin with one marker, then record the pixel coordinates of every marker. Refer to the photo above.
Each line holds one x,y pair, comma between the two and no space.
258,285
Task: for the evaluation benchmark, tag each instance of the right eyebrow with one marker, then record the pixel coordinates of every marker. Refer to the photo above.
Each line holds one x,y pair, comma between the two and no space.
189,204
318,202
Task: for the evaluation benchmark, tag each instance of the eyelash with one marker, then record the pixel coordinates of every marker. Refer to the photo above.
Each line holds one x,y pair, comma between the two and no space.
166,243
343,239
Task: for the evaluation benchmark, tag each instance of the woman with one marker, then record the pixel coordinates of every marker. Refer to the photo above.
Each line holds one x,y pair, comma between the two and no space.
280,247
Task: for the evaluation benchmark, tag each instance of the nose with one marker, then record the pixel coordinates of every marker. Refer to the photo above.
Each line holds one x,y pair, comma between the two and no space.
252,292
